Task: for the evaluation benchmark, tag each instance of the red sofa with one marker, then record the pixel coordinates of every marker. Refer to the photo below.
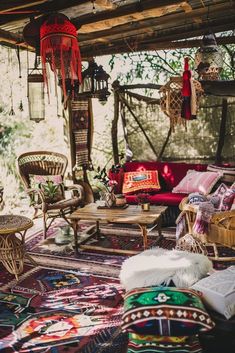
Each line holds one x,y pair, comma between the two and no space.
170,174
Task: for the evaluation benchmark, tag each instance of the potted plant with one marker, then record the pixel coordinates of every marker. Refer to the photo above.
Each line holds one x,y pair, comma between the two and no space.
143,200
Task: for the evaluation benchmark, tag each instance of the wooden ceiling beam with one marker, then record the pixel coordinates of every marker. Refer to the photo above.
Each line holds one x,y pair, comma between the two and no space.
6,6
14,39
155,24
122,46
127,13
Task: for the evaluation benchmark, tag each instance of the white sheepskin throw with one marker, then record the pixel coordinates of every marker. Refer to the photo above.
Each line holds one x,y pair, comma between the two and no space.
159,266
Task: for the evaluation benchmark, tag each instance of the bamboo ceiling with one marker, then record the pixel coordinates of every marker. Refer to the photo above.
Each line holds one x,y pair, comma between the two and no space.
117,26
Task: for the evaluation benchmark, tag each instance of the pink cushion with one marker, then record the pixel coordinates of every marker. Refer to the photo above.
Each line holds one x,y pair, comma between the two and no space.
162,198
194,181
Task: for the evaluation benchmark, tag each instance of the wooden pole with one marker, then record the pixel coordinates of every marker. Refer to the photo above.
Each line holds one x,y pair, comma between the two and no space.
164,144
114,129
218,157
138,122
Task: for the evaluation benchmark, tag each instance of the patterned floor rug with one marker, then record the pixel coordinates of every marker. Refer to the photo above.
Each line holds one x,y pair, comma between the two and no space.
51,310
105,253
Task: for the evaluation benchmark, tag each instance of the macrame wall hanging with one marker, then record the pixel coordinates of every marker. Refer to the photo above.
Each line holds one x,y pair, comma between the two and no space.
82,123
180,97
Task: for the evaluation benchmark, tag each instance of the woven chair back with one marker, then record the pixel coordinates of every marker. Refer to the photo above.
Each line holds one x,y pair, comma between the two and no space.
40,163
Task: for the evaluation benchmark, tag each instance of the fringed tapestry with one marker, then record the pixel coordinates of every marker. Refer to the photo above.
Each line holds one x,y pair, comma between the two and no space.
82,123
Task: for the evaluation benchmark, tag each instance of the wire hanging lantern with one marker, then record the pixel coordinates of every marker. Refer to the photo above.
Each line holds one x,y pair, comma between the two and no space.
180,96
208,59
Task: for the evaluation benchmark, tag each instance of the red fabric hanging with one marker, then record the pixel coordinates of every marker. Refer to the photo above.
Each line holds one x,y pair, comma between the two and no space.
186,92
59,47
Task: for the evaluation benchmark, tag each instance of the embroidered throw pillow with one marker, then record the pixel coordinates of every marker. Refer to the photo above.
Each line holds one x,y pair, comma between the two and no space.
146,180
232,187
218,291
225,197
162,344
194,181
165,311
51,185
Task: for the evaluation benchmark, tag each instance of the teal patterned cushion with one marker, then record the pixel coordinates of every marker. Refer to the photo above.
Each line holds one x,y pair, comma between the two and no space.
165,311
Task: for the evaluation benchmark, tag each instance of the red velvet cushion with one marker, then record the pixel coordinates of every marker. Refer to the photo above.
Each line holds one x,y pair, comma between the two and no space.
171,172
162,198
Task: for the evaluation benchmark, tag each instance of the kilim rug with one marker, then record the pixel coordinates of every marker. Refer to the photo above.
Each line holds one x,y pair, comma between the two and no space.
53,310
101,257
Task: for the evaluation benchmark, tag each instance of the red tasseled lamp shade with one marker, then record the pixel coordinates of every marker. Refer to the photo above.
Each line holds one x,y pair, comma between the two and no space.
59,47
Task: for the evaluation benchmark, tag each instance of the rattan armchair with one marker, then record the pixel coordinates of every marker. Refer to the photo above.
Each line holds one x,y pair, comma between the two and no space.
48,163
221,228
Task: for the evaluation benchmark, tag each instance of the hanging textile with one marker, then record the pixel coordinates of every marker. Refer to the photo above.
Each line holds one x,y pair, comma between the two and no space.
188,109
82,129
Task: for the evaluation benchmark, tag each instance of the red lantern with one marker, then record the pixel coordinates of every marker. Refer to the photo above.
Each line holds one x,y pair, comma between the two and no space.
59,47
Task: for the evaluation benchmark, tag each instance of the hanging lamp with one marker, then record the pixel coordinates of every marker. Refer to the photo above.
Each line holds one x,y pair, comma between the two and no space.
95,82
59,47
36,94
208,59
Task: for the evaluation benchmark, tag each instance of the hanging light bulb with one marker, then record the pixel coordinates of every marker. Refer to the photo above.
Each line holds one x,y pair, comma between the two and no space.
208,59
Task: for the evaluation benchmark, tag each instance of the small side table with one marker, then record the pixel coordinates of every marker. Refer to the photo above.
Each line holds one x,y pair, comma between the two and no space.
12,248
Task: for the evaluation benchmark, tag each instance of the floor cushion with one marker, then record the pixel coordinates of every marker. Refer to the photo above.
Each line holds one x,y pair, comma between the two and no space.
165,311
218,291
159,266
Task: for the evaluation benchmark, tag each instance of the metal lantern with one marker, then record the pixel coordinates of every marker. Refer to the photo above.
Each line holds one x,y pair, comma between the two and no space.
208,59
95,82
101,78
36,95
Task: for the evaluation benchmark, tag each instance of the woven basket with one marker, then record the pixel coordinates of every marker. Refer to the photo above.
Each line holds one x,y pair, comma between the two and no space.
171,99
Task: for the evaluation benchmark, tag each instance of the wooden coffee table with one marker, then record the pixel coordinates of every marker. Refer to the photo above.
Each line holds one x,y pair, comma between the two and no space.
131,215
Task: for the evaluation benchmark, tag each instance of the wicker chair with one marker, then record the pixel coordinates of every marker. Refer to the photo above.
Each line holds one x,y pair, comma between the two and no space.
48,163
221,229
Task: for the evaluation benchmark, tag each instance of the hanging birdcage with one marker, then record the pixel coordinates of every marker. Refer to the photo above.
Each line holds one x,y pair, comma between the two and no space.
208,59
171,99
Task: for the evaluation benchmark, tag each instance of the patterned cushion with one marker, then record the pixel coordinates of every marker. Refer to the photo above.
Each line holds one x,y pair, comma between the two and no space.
51,185
194,181
165,311
146,180
163,344
225,197
232,187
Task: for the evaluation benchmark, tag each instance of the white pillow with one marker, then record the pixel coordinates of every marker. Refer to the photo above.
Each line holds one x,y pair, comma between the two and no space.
219,291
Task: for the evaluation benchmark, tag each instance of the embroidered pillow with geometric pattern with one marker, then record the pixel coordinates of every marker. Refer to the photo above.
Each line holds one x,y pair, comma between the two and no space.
146,181
225,196
165,311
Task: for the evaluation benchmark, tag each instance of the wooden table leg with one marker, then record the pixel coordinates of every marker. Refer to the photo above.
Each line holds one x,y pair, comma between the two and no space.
75,230
144,235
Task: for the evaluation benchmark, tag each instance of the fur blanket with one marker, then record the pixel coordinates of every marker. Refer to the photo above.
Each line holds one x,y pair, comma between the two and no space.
159,266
